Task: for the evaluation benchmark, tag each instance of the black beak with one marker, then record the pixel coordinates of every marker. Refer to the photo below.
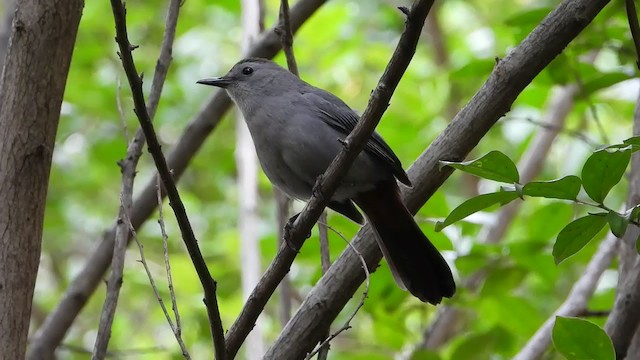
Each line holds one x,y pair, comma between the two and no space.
221,82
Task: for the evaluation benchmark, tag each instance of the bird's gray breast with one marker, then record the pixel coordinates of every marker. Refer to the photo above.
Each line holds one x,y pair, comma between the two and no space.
295,146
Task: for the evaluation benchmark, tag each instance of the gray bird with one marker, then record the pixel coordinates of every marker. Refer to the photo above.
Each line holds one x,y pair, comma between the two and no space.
296,129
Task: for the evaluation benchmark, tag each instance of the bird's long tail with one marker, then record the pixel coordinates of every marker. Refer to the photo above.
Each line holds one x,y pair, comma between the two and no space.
416,264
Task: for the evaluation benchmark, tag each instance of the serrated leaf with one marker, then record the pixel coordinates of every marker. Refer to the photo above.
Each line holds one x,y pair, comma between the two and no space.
618,224
493,166
576,235
603,170
581,339
476,204
566,188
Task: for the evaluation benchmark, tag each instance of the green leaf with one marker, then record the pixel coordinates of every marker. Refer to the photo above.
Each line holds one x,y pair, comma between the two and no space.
576,235
581,339
493,166
476,204
603,170
617,223
638,245
566,188
632,141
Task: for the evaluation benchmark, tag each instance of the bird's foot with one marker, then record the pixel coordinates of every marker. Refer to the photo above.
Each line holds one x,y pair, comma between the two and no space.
287,233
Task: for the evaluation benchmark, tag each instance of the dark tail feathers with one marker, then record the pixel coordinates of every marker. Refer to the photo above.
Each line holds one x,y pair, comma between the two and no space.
416,264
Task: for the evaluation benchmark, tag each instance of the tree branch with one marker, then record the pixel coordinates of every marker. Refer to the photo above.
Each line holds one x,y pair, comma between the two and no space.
576,302
135,82
632,16
510,76
623,322
329,182
33,81
50,335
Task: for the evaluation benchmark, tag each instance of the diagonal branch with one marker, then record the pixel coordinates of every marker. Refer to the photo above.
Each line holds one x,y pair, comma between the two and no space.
510,76
135,82
50,335
329,182
576,302
128,170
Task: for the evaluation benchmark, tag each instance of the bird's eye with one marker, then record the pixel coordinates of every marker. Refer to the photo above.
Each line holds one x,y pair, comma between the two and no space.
247,70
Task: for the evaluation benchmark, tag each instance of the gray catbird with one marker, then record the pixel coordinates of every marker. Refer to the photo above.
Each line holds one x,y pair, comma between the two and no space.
296,130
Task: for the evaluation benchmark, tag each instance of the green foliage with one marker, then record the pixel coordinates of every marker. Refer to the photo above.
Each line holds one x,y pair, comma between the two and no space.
578,339
566,188
603,170
343,48
493,166
577,234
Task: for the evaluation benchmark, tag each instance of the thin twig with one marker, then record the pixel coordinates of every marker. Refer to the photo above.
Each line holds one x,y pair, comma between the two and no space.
135,82
347,324
177,329
128,169
286,36
90,276
496,96
578,135
283,205
632,15
325,261
152,282
330,180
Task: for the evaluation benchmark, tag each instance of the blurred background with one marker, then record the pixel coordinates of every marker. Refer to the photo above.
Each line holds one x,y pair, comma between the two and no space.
343,48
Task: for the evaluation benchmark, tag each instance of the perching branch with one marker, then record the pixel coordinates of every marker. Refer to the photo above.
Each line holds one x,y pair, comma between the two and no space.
447,320
50,335
128,170
329,182
510,76
323,348
135,82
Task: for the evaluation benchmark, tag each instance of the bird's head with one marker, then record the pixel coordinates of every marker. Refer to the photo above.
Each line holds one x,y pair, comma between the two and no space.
253,79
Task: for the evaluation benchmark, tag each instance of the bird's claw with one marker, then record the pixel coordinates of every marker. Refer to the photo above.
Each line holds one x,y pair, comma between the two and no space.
287,233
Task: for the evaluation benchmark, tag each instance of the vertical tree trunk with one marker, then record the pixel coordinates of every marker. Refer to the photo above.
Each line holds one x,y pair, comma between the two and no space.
33,81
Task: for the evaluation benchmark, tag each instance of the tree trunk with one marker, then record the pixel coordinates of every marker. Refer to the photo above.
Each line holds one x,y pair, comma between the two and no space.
33,81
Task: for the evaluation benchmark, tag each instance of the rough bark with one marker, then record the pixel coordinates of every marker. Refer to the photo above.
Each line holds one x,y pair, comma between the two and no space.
510,76
34,77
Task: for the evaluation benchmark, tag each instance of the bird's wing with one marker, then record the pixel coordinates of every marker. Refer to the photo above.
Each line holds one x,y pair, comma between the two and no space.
341,117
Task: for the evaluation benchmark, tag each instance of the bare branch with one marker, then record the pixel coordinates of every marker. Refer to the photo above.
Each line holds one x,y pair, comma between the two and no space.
177,329
286,36
623,322
510,76
325,261
283,204
632,15
576,302
33,80
135,82
323,348
328,183
49,336
248,196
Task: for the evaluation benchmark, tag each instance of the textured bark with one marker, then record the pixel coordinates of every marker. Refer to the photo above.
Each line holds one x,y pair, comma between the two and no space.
34,78
510,76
